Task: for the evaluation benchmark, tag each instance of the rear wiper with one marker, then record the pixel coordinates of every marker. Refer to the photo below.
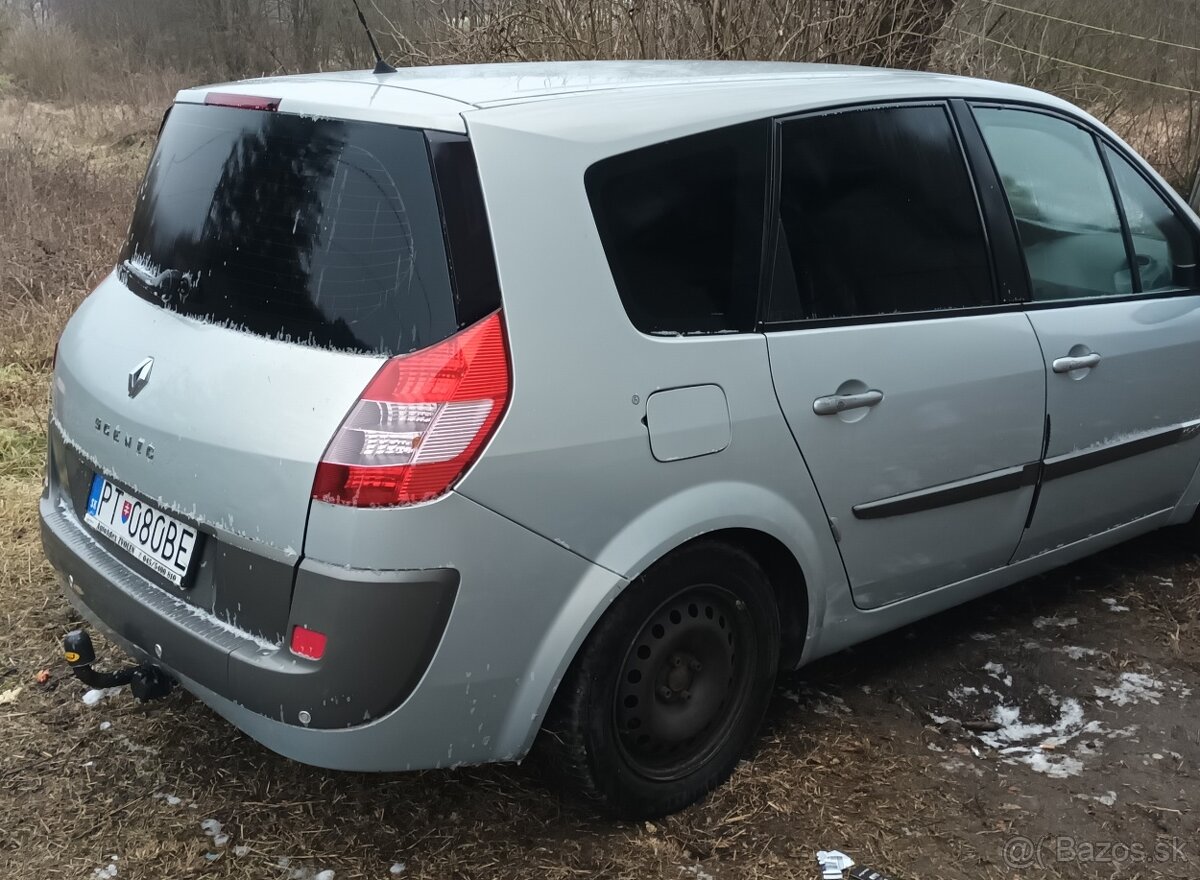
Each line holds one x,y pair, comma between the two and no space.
165,283
150,279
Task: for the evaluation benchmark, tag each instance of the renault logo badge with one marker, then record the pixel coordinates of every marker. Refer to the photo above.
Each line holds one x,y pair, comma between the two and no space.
139,376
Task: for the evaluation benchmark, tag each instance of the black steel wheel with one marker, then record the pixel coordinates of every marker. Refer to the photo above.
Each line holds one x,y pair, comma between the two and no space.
683,681
669,689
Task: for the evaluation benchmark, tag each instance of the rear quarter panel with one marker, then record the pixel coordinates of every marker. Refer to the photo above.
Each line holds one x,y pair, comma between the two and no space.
572,458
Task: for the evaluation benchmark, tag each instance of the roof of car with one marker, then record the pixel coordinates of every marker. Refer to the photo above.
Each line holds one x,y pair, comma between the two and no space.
438,96
481,85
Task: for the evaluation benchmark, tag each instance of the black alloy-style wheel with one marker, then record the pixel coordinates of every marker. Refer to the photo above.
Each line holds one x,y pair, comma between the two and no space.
669,689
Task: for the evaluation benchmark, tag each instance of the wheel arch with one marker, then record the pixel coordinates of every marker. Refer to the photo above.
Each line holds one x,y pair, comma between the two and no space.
784,573
787,580
794,546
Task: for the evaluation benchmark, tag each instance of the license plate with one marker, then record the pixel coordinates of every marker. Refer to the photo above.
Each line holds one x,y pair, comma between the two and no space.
157,540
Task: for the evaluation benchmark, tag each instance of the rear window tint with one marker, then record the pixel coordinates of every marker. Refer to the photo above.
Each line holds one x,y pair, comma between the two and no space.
317,231
682,223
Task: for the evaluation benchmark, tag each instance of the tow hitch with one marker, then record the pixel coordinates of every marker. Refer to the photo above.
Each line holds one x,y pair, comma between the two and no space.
146,682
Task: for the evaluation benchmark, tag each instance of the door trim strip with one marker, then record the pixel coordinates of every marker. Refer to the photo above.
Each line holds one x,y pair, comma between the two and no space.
1086,459
1018,476
981,486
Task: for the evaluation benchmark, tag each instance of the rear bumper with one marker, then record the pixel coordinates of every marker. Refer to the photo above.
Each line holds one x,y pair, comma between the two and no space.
465,654
382,630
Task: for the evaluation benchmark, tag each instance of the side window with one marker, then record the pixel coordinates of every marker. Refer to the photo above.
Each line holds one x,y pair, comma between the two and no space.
681,223
1164,246
1064,208
878,215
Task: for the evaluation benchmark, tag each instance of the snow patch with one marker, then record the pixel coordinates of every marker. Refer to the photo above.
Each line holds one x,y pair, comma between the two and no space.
957,765
1058,767
1036,745
1113,606
1058,744
960,693
1061,622
95,695
1133,688
303,873
212,828
996,671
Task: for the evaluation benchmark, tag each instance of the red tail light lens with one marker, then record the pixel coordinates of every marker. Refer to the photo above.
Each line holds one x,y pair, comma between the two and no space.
420,422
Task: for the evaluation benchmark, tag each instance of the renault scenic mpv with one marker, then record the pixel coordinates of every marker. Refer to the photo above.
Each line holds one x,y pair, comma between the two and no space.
431,411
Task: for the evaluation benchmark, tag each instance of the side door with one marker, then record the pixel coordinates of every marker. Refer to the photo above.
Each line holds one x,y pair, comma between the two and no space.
1115,304
916,397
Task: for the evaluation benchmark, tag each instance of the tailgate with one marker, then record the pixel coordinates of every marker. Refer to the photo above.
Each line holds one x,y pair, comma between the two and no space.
226,432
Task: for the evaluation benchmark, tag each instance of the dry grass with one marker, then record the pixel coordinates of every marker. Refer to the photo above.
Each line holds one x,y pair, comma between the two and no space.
66,182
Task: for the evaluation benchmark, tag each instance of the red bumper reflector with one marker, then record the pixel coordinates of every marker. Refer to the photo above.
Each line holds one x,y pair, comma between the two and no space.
308,643
241,102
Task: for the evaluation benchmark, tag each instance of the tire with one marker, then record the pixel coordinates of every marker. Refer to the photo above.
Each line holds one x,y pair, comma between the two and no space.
670,687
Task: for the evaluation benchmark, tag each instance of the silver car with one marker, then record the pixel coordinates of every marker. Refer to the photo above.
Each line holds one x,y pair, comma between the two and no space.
426,412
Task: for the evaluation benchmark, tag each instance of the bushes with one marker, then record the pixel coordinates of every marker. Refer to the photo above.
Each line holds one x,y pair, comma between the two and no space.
62,220
48,62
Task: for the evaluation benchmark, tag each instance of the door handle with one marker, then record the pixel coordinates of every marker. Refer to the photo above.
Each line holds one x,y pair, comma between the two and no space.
1083,362
833,404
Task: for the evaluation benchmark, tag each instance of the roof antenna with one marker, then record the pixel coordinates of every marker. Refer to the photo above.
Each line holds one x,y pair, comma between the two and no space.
381,66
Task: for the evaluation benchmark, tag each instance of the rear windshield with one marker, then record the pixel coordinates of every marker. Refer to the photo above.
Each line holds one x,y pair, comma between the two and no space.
318,231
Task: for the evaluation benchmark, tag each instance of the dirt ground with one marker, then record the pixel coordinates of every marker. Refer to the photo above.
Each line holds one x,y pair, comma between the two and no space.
1047,731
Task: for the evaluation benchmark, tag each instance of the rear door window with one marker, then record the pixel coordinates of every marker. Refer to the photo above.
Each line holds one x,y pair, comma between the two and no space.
1064,208
878,217
681,223
319,231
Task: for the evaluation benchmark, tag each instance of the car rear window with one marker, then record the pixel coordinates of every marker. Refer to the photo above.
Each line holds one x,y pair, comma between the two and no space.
317,231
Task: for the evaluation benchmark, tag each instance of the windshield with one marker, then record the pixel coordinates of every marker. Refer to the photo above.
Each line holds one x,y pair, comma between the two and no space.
317,231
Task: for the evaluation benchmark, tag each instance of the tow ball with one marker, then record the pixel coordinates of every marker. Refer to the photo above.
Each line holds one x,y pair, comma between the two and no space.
146,682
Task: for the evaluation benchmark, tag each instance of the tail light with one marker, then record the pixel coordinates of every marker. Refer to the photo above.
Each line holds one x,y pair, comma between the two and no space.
420,422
